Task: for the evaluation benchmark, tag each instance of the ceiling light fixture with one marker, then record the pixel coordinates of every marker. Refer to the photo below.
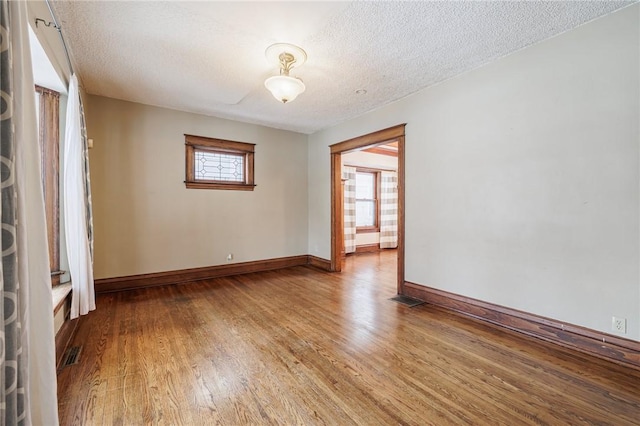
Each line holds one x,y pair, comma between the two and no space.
283,87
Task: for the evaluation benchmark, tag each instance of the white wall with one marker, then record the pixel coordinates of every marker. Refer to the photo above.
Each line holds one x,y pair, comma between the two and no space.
522,178
147,221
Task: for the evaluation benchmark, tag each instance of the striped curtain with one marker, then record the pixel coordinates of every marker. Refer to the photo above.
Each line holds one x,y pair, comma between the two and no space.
27,354
349,177
389,210
14,362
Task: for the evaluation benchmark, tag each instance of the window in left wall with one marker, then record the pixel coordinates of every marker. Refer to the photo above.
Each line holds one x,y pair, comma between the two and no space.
49,90
48,119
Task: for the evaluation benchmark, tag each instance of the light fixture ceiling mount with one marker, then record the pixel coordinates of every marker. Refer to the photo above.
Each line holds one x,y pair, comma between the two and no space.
284,87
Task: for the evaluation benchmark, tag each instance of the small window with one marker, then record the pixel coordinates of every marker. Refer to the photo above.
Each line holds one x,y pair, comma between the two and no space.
366,201
218,164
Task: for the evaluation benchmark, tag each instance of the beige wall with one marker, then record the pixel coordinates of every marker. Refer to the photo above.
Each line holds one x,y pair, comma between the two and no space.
522,178
147,221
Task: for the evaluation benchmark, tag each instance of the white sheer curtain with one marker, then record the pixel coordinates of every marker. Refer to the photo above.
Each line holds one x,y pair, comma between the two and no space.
77,206
349,176
388,210
28,380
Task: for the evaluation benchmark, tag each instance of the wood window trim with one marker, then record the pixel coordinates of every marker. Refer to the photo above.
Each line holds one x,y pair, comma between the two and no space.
49,137
201,143
376,227
367,229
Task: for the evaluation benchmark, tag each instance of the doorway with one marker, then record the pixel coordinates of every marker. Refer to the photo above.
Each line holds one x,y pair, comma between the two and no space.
381,137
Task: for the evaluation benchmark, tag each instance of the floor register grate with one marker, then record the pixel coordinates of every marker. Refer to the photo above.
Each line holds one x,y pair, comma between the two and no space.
72,356
406,300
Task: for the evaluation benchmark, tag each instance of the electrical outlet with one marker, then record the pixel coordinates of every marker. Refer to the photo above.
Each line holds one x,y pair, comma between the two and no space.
619,325
229,257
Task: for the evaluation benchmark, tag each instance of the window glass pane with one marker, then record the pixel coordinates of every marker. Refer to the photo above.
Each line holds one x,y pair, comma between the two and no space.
218,166
365,184
365,211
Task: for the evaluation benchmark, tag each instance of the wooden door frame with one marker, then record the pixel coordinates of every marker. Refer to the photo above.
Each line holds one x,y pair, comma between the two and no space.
381,137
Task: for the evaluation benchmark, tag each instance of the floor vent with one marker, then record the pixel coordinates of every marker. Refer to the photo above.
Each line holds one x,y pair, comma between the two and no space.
406,300
72,356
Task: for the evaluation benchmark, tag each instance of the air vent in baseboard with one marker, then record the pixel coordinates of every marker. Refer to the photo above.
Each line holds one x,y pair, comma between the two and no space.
72,356
406,300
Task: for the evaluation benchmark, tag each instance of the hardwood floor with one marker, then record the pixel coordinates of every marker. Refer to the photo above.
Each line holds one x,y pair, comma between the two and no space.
302,346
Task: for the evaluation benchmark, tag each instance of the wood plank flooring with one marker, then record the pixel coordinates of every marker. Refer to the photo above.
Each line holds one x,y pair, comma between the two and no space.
302,346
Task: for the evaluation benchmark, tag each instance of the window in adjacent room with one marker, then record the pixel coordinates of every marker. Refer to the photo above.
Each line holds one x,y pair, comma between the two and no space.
218,164
367,201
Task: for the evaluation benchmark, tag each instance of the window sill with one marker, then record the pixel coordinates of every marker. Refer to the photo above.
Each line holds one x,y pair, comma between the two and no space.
231,186
59,294
367,230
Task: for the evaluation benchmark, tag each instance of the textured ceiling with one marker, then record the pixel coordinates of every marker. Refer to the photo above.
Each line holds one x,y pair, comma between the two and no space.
208,57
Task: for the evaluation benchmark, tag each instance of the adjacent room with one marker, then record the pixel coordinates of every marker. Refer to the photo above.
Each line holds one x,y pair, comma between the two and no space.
321,212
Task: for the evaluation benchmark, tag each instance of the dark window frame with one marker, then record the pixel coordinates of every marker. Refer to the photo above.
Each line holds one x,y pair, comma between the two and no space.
195,144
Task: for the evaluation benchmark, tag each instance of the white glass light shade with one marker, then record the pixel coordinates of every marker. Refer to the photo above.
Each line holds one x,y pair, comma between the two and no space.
284,88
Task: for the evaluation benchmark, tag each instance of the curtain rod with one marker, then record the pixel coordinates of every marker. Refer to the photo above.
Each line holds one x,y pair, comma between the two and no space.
55,25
